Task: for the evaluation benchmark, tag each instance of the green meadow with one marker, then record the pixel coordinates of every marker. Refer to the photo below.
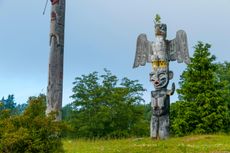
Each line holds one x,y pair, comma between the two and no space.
188,144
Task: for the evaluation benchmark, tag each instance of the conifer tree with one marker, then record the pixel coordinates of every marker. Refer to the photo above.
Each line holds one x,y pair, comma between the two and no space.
223,73
202,108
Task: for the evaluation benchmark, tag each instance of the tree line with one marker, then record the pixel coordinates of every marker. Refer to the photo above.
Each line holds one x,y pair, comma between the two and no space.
105,106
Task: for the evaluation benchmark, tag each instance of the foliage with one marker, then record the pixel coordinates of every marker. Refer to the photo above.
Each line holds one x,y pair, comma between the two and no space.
188,144
10,105
67,112
182,117
32,131
20,108
102,108
223,74
157,19
202,107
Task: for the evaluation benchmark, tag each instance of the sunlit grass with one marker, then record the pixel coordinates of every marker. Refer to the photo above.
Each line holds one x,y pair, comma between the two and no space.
188,144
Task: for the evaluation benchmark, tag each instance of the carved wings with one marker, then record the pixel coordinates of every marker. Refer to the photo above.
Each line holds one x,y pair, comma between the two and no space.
178,48
143,51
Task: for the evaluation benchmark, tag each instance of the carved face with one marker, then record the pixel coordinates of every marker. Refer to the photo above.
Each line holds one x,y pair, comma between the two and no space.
53,16
160,79
160,29
54,1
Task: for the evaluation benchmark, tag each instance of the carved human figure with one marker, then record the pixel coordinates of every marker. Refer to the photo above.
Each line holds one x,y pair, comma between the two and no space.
160,103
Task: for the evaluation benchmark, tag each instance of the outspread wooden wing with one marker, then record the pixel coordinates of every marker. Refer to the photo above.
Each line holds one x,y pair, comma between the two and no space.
178,48
143,51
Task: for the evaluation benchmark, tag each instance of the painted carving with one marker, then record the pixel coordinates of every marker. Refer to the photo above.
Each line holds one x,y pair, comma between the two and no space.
54,27
159,54
57,22
53,16
53,2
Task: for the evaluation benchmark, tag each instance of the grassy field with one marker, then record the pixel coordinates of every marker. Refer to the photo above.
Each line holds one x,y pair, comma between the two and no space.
189,144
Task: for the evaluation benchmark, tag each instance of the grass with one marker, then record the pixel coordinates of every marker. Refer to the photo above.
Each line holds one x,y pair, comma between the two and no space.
188,144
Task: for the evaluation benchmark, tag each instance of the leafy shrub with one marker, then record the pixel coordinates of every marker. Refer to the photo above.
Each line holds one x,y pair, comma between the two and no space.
31,132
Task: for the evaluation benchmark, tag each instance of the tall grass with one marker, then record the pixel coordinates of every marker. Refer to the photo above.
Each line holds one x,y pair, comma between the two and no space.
188,144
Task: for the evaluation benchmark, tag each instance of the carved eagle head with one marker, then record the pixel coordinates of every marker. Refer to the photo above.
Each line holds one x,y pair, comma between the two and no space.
161,30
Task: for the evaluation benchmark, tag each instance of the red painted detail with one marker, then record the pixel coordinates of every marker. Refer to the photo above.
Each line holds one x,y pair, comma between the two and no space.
53,16
54,1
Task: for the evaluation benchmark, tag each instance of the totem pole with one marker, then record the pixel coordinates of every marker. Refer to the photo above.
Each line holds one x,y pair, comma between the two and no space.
159,54
55,80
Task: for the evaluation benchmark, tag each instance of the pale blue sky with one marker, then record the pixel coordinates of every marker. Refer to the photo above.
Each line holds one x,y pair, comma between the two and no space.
100,34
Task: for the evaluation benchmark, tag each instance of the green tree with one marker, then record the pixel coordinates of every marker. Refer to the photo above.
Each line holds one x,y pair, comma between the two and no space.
32,131
202,108
223,73
104,108
20,108
9,105
67,112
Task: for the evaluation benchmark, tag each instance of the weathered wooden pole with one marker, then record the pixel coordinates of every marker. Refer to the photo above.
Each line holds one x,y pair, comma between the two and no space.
55,80
159,54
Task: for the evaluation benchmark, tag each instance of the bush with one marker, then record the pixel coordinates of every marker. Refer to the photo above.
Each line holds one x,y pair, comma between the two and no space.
31,132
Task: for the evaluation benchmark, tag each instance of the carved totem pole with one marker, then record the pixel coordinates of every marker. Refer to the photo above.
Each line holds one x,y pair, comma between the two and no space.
55,80
159,54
